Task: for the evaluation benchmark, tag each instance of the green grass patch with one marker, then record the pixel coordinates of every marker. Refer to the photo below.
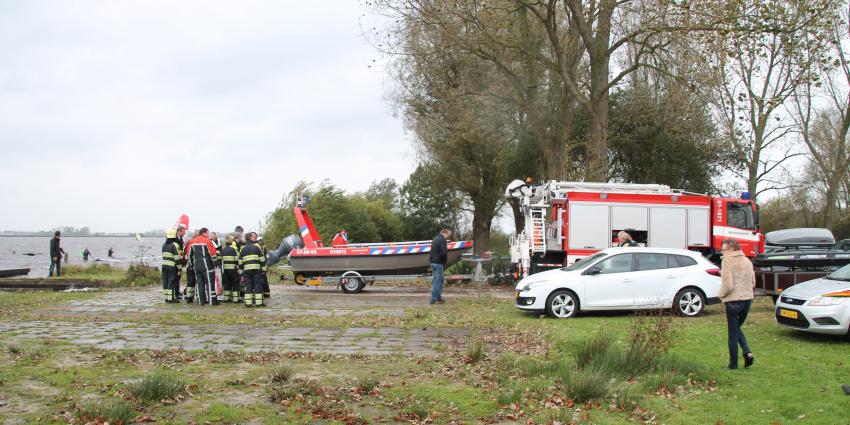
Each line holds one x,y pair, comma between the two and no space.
156,387
110,410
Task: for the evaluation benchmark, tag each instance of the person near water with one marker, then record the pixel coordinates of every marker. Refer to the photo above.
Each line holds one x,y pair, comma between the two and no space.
110,252
181,232
267,292
86,253
190,273
202,252
171,257
229,276
55,255
439,259
252,263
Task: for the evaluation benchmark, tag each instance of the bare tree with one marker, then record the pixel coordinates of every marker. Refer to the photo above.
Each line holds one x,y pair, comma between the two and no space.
825,130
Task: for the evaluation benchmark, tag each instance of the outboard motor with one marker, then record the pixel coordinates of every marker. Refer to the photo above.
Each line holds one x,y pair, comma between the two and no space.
286,246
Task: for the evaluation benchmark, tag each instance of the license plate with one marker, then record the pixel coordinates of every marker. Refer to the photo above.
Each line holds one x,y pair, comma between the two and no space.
788,313
516,295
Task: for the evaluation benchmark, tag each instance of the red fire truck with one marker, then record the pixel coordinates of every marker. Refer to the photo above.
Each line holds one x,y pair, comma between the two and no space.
567,221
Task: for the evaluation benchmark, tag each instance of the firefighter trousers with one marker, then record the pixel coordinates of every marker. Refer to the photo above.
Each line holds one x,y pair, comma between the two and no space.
230,286
205,285
253,288
190,285
169,283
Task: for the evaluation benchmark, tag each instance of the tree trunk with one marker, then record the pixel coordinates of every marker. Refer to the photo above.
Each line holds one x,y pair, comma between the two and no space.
482,219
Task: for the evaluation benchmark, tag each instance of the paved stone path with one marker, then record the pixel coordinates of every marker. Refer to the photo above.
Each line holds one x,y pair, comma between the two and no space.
120,335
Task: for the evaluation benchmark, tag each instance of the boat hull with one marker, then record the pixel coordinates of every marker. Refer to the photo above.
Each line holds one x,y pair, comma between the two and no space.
381,260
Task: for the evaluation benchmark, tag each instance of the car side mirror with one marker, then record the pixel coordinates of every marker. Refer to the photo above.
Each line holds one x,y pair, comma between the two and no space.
592,271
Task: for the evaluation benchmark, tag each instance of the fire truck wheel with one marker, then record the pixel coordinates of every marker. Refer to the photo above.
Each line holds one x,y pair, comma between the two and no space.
351,282
689,302
562,304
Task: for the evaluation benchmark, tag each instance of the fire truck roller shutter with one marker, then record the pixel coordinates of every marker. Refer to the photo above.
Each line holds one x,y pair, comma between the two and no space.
589,226
699,221
631,218
668,227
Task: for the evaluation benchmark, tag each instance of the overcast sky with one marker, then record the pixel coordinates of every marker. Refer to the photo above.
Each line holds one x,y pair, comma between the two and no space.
122,115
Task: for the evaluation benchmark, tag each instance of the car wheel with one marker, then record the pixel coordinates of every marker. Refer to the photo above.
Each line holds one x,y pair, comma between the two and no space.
562,304
689,302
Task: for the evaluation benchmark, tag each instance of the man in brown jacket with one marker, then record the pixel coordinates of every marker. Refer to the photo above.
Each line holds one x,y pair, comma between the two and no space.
736,292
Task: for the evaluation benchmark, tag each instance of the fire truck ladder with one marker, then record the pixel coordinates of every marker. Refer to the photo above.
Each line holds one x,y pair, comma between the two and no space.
538,230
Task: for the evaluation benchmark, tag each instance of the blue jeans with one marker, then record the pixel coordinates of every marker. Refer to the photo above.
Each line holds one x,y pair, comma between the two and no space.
736,315
57,264
437,282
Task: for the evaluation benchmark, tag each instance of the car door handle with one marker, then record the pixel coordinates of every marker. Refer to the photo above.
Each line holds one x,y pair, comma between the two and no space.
672,276
628,280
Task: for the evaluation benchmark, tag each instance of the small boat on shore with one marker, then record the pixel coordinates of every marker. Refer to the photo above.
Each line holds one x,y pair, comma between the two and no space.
312,258
14,272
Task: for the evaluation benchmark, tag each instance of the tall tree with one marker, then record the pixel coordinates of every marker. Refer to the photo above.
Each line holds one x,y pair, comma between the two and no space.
759,70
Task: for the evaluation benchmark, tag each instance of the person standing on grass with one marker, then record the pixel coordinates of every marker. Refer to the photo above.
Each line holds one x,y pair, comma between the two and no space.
55,255
438,259
736,292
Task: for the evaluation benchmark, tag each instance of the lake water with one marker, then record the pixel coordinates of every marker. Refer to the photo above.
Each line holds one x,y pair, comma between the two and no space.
15,251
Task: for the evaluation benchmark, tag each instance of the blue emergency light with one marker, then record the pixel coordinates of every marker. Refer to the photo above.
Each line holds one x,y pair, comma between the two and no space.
745,195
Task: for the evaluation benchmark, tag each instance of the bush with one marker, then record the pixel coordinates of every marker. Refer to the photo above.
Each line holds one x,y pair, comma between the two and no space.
587,352
113,411
475,353
368,385
156,387
280,374
650,337
139,274
585,384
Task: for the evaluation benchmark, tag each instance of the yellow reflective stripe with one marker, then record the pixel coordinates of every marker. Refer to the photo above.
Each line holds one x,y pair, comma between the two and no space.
250,257
228,257
252,267
168,263
229,266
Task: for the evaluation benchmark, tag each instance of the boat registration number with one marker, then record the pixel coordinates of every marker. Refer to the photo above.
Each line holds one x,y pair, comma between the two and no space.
788,313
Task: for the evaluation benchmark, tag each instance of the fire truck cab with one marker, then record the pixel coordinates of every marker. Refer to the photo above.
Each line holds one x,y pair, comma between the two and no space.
567,221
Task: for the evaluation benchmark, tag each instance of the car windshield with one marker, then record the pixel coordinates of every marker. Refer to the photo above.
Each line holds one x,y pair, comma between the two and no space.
584,262
840,274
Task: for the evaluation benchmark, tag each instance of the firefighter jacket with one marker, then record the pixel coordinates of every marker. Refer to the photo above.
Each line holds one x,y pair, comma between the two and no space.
202,252
172,255
229,257
251,257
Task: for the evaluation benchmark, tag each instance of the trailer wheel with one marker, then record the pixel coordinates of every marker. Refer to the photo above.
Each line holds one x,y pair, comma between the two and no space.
689,302
300,279
351,282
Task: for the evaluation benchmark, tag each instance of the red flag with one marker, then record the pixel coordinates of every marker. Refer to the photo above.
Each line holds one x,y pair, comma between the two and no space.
182,221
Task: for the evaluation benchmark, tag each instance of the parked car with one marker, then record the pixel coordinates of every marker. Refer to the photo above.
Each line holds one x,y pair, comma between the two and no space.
624,279
819,306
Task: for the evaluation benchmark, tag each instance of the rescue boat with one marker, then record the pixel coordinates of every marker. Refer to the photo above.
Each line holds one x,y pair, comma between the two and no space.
312,258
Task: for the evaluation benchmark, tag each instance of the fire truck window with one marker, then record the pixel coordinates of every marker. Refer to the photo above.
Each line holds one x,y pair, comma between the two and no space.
617,264
739,215
639,236
651,261
681,261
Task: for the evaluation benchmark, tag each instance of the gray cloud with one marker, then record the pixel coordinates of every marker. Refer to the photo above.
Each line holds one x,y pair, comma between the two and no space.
122,115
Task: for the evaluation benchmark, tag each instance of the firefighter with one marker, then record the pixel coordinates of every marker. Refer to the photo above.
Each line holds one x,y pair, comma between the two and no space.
190,273
229,277
267,292
237,237
171,256
252,263
202,251
181,262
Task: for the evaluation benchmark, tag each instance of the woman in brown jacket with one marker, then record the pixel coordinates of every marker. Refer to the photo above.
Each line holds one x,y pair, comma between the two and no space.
736,292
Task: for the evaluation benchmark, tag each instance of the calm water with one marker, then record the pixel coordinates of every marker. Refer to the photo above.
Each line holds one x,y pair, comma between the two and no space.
14,250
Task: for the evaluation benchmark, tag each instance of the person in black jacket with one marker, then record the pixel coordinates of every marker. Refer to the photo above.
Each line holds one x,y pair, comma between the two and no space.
252,263
438,259
55,255
171,257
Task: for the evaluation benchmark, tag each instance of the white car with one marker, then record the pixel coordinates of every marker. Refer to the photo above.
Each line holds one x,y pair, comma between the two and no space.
624,279
820,305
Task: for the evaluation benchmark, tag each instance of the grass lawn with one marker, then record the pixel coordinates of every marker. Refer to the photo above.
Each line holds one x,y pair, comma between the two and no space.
530,370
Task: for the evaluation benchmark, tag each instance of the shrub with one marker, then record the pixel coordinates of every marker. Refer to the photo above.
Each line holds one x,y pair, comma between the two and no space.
475,353
650,337
139,274
280,374
156,387
113,411
585,384
368,385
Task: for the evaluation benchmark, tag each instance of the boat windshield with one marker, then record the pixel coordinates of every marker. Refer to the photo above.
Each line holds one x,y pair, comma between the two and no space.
584,262
840,274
